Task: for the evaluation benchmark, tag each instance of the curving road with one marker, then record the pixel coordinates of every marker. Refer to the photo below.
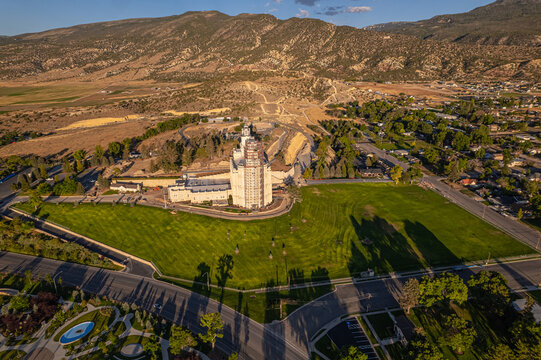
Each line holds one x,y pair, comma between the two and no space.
288,339
251,339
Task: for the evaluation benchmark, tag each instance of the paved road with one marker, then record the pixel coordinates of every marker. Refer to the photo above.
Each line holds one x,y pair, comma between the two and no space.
382,154
251,339
284,205
380,294
288,339
515,228
131,265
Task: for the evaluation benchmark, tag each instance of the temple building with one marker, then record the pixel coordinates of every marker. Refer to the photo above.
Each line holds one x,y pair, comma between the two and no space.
249,185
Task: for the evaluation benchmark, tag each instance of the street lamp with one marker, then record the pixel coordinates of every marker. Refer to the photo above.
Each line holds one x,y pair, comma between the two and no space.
54,282
208,280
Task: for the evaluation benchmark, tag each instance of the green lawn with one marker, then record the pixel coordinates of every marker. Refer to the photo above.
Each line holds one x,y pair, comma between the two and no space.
382,324
327,347
489,332
336,231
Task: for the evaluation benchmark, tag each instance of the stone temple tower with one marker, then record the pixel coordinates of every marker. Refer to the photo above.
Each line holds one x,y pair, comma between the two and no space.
251,181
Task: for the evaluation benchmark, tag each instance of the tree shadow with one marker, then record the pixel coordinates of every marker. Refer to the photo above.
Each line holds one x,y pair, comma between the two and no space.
201,279
272,303
434,252
379,246
224,267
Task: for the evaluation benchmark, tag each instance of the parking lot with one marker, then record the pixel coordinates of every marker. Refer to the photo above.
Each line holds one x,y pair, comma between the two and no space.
350,333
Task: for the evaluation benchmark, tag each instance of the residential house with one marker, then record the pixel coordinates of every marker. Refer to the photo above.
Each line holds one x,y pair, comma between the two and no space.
521,304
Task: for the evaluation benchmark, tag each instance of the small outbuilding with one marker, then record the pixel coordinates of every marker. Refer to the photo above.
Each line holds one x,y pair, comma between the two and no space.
125,187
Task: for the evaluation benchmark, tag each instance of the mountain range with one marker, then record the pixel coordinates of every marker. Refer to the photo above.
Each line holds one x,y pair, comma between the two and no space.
199,45
504,22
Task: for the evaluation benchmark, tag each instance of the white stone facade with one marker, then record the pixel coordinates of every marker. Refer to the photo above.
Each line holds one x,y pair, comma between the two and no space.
249,183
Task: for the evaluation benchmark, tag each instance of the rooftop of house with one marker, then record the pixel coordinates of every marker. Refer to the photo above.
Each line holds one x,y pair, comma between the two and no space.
127,185
521,304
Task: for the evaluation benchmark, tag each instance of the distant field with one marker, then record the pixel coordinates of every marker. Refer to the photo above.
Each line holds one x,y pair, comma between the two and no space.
43,94
336,231
98,122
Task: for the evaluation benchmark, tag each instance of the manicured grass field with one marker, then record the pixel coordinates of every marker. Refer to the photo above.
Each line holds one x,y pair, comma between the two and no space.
336,231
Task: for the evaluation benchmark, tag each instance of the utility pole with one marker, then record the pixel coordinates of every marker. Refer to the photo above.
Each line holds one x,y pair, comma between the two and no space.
164,201
488,259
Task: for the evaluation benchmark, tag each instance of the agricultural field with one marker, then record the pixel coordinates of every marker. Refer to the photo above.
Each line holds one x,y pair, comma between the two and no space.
335,231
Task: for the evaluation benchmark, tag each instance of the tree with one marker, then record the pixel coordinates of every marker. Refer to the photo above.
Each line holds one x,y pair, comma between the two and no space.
80,189
152,347
414,172
214,324
19,303
458,335
43,172
520,214
180,339
99,152
446,287
410,294
103,182
66,166
461,142
352,353
23,182
500,352
431,155
35,199
396,173
79,155
489,289
308,173
44,188
233,356
115,148
424,350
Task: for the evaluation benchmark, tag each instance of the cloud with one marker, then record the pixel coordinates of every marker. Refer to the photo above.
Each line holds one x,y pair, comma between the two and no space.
331,10
306,2
278,1
272,10
303,13
357,9
335,10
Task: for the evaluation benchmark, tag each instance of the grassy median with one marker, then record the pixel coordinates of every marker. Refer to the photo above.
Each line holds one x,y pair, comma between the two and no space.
335,231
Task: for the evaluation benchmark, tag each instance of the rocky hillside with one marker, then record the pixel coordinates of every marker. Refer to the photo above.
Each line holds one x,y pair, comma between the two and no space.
504,22
198,45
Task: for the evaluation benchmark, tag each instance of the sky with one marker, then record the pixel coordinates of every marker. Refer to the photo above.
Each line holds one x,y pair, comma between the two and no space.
23,16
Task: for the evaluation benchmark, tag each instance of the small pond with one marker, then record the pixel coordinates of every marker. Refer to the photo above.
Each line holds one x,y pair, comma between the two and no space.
77,332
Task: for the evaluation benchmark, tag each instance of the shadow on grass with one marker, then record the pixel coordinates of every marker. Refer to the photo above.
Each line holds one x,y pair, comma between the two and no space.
224,267
381,247
433,251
